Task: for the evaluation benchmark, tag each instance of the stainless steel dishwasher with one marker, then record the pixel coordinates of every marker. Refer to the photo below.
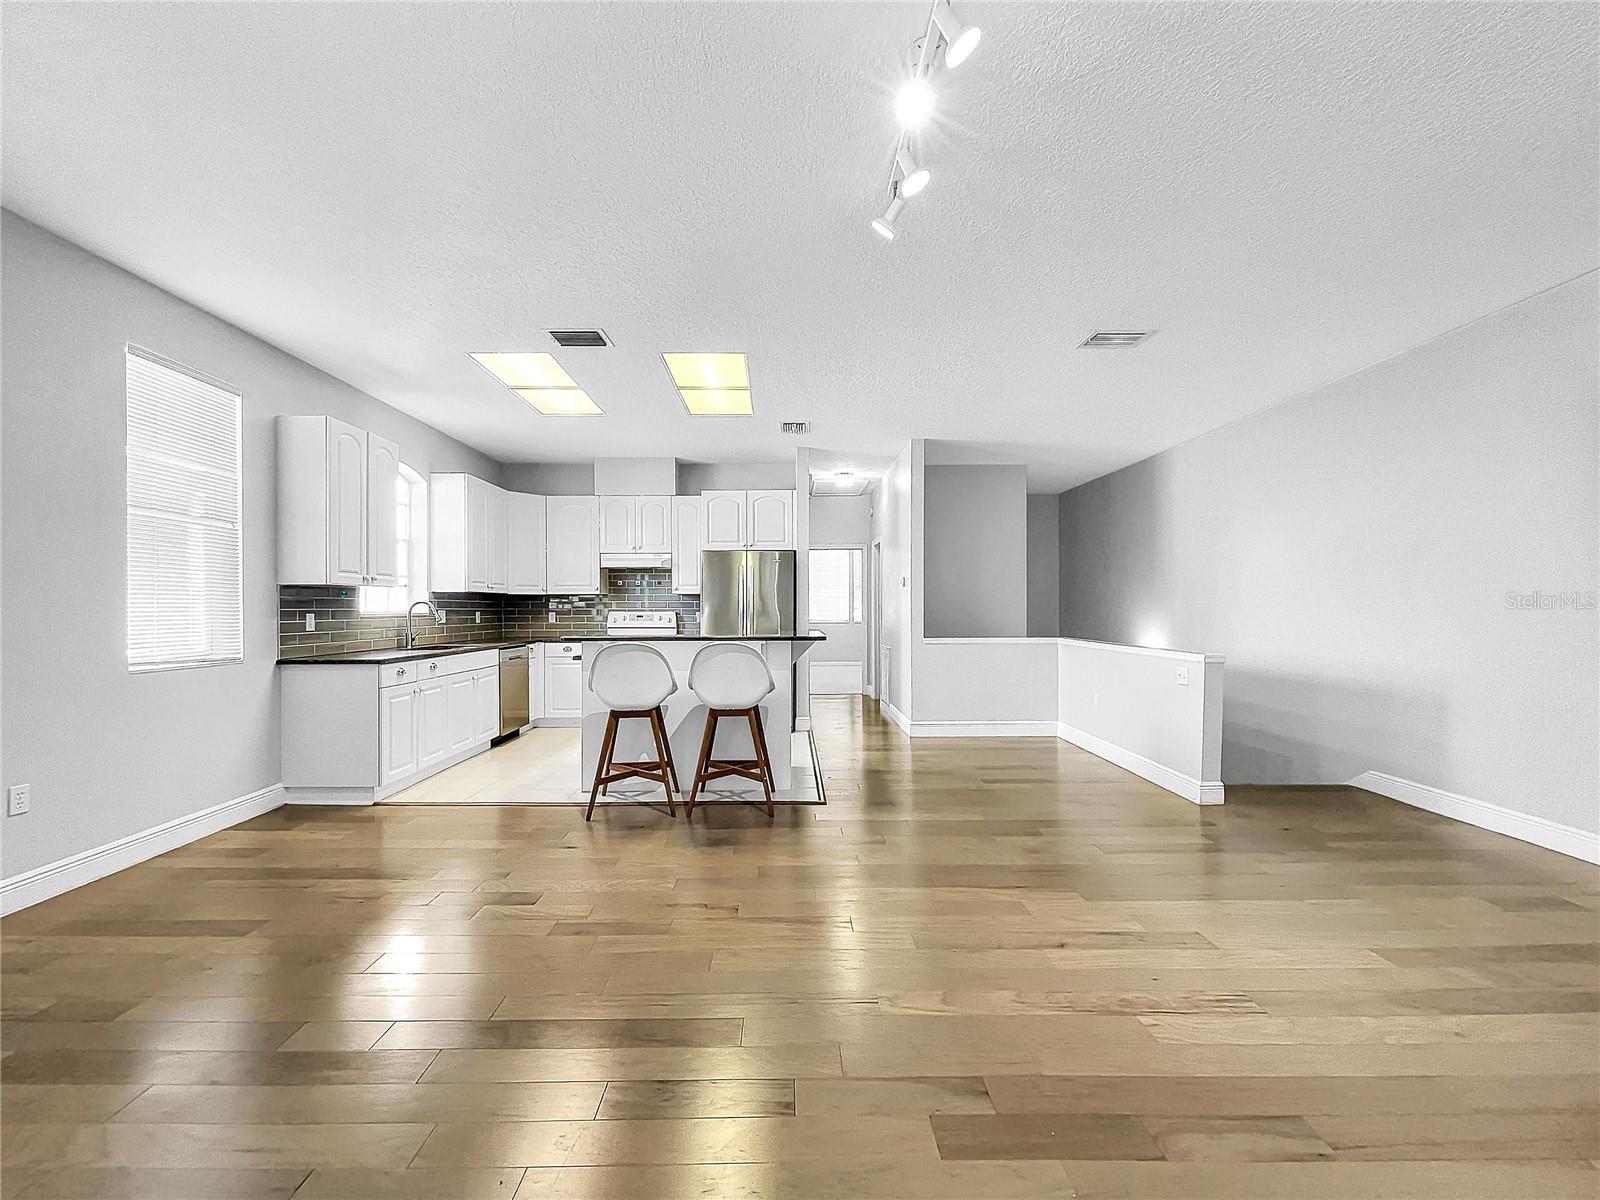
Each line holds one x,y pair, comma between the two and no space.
513,689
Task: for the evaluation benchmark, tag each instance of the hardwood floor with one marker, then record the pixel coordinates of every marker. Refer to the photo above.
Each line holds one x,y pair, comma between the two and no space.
984,969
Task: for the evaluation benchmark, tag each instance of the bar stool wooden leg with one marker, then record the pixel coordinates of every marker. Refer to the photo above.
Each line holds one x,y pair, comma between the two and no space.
663,762
759,739
705,757
602,766
660,720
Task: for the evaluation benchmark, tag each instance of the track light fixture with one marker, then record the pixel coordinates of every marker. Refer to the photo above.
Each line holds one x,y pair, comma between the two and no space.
945,39
884,226
912,177
959,40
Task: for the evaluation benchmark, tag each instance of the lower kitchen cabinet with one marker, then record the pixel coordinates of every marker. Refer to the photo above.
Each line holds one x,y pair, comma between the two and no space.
357,732
563,683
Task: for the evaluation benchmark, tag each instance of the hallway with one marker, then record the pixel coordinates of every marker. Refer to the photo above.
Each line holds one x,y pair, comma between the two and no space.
997,968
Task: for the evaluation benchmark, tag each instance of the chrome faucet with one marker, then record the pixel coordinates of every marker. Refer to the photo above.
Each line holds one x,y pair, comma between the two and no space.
438,619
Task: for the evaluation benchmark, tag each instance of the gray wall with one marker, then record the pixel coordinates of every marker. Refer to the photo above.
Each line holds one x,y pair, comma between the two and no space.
1351,551
550,479
694,478
1044,566
975,551
109,753
843,521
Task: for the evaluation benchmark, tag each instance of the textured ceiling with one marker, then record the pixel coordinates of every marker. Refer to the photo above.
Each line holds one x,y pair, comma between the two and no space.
1288,192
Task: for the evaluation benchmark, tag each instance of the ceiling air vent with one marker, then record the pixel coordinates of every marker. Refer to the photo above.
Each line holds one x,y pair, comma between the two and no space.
1115,340
796,426
579,337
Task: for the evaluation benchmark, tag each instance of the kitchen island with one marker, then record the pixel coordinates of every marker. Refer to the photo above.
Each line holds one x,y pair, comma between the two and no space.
686,717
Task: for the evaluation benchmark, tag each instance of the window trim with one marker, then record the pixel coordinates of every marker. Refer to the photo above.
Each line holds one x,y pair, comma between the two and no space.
858,582
134,350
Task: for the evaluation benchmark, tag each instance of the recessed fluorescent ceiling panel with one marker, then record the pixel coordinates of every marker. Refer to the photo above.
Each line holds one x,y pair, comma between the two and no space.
541,381
712,385
560,402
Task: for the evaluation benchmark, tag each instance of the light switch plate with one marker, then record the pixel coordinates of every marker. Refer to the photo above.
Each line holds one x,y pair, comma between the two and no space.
19,798
1183,676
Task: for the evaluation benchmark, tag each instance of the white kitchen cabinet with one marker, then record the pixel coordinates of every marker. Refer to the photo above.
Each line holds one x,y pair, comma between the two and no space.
688,518
486,705
525,544
724,520
353,733
498,545
619,518
757,520
769,520
654,525
383,478
460,713
635,524
397,733
572,546
336,503
468,543
563,682
536,704
433,739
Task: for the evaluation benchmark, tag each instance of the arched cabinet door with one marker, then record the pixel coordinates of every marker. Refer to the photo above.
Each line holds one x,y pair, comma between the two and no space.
724,520
770,520
383,478
347,504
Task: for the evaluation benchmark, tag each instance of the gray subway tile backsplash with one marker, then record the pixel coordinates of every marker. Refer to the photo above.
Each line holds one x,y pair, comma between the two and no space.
341,627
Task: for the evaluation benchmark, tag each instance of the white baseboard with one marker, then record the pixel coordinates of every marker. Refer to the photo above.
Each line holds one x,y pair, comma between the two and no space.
896,717
52,879
837,678
1563,839
1190,788
982,729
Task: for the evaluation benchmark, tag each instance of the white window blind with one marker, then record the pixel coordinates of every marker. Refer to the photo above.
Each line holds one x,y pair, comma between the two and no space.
835,586
185,599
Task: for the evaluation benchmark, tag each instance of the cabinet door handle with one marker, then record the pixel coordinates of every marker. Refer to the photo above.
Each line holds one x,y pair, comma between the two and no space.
433,666
401,671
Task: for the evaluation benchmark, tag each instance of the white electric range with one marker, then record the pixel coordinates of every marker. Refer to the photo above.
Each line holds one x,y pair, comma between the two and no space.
641,623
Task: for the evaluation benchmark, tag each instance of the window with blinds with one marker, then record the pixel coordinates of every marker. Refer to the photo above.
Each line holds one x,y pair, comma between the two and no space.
835,586
185,597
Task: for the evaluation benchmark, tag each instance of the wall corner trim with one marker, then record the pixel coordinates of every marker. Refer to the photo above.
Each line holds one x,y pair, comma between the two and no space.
1563,839
1194,790
63,875
896,717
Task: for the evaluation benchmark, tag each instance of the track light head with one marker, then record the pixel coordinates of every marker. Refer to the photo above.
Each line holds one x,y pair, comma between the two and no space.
912,177
913,103
960,40
884,226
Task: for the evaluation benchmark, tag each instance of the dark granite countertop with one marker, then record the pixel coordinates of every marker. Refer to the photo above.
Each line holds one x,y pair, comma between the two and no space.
371,658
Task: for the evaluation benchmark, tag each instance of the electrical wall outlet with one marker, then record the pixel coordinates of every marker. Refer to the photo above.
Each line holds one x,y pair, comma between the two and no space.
477,618
311,622
19,798
1183,676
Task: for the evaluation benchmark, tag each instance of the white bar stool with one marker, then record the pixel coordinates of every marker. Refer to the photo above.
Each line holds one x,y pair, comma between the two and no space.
633,680
731,679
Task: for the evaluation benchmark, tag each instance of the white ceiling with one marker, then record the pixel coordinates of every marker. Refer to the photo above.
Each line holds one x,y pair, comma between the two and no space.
1287,192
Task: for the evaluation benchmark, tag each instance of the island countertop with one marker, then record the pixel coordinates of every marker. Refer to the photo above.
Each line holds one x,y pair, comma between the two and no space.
394,654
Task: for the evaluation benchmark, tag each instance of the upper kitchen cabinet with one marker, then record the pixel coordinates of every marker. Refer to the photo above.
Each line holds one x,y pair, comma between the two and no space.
467,536
688,519
336,504
761,520
525,538
635,524
572,554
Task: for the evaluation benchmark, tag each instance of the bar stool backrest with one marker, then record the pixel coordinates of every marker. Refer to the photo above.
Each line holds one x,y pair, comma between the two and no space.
630,676
730,675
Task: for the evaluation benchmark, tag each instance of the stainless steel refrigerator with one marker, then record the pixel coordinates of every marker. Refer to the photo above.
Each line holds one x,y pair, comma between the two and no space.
747,593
